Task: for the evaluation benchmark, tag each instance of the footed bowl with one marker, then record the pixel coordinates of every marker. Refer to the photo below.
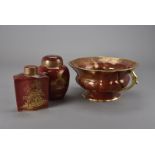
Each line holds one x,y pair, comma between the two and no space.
104,78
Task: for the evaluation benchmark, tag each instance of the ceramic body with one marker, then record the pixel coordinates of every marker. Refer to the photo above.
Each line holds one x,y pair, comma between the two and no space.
103,78
58,73
31,91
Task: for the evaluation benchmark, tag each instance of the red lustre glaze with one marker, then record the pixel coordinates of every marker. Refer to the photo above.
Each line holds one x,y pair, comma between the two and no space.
31,90
104,78
58,73
103,85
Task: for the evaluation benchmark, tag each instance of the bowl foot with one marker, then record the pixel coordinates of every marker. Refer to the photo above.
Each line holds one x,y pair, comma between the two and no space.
101,97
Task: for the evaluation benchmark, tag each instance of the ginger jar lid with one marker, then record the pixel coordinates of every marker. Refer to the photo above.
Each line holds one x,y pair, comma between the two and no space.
52,61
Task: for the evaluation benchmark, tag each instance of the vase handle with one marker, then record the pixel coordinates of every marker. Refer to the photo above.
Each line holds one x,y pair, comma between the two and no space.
134,81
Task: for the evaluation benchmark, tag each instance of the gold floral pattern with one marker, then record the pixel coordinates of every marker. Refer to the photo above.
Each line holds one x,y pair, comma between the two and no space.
34,97
60,82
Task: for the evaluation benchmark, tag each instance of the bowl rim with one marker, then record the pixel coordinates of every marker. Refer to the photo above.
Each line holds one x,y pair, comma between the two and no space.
135,64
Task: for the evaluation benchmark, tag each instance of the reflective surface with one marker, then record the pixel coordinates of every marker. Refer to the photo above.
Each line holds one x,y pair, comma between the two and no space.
104,64
103,77
52,65
31,90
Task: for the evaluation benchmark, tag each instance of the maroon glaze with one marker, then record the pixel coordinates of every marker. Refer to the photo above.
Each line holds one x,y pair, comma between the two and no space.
103,78
58,73
103,85
31,91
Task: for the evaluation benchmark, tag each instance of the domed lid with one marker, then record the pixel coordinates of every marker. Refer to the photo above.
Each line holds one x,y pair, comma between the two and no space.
52,61
30,70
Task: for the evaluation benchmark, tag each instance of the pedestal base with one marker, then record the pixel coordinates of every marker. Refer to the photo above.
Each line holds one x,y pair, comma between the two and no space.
101,97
